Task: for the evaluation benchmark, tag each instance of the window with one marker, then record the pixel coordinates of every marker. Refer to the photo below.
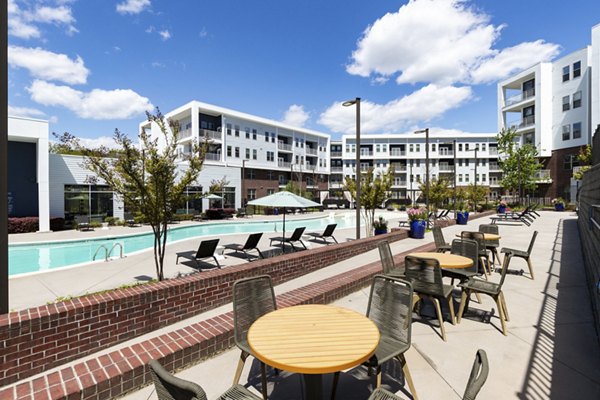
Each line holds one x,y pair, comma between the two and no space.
247,154
270,191
577,99
418,163
270,156
460,162
253,134
466,177
466,146
569,162
229,129
272,137
384,148
460,147
566,73
228,151
411,148
378,148
483,177
466,162
267,137
237,152
482,146
254,154
566,103
577,130
433,147
297,160
247,133
251,194
460,177
566,132
576,69
418,147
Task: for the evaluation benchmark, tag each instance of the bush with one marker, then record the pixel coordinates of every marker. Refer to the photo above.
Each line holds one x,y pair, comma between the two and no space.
23,224
95,224
183,217
112,221
57,224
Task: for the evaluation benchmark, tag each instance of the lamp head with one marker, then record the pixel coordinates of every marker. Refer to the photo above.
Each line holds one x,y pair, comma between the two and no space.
351,102
426,130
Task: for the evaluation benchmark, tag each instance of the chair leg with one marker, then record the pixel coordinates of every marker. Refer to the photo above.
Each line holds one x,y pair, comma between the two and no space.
263,379
240,367
334,239
438,311
217,261
408,377
464,298
497,255
451,306
530,268
260,254
501,311
378,377
504,306
478,297
336,378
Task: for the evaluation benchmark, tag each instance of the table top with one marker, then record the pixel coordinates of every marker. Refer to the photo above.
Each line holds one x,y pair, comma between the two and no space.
487,236
313,339
446,260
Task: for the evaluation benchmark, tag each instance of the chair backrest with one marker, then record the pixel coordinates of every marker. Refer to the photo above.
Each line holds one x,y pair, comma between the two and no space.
390,307
467,248
252,241
504,269
297,235
82,219
425,275
490,228
252,298
207,248
478,376
478,237
387,259
329,230
169,387
530,248
438,236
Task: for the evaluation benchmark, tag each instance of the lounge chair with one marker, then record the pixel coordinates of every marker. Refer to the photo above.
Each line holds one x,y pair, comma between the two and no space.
205,250
295,238
169,387
524,217
327,233
82,223
251,244
129,220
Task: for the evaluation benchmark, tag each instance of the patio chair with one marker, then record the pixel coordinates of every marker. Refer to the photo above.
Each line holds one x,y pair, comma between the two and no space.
252,298
481,243
387,261
129,220
327,233
169,387
526,255
425,275
251,244
82,222
466,248
440,243
492,245
492,289
206,249
478,376
241,212
295,238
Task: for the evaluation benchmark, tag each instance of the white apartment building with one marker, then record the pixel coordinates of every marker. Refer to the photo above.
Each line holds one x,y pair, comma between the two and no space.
461,159
258,156
555,107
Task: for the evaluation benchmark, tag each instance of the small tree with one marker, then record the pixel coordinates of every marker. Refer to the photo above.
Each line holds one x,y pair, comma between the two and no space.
475,194
439,192
217,186
585,161
374,191
519,164
149,177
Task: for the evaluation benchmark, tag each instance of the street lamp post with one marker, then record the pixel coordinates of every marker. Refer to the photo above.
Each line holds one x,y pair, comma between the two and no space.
454,176
357,169
242,182
426,131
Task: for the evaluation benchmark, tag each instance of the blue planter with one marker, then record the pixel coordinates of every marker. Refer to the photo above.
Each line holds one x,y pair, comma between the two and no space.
462,217
417,229
380,231
501,209
559,207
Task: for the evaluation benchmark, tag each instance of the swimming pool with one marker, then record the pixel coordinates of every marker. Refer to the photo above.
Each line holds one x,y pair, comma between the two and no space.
38,257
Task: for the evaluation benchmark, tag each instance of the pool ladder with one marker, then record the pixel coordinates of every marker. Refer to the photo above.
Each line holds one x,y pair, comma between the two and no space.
107,252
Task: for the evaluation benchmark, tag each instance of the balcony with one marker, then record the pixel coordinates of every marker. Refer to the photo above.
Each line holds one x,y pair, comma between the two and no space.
446,168
184,134
522,123
493,151
542,176
337,169
284,164
397,153
212,156
398,167
494,167
398,183
366,153
445,152
284,146
205,134
519,97
336,154
310,151
283,182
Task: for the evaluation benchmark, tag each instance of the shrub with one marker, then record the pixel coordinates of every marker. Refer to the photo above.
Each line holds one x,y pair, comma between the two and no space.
23,224
57,224
112,221
95,224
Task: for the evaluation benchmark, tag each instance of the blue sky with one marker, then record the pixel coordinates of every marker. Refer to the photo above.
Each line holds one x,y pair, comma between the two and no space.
90,66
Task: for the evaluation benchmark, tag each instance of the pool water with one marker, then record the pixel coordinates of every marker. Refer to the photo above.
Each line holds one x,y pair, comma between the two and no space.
38,257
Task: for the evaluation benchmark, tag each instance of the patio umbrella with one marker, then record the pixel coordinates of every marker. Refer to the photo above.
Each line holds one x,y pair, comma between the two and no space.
213,196
283,199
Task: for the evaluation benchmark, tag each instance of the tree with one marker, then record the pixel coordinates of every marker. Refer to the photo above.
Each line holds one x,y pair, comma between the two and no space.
295,188
439,192
519,164
374,191
475,194
585,161
149,177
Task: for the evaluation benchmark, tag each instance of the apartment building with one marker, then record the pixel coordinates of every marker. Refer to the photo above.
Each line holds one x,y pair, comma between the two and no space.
555,107
461,159
257,156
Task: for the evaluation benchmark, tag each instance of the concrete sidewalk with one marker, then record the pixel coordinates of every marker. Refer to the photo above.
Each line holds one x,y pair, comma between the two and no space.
551,351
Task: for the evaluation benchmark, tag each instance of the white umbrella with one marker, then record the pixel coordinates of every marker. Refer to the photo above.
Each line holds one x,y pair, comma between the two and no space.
213,196
283,199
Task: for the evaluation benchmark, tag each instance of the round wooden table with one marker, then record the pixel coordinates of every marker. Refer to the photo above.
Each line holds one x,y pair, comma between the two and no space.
487,236
313,340
446,260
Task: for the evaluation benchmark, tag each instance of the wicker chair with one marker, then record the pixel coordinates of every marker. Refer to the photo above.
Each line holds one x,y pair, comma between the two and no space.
478,376
169,387
440,243
492,245
492,289
425,275
526,255
466,248
252,298
483,253
387,261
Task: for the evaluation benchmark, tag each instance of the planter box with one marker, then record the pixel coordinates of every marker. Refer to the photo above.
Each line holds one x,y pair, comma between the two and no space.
417,229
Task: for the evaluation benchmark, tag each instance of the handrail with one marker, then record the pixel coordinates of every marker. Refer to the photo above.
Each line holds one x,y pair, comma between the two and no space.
105,252
592,219
120,248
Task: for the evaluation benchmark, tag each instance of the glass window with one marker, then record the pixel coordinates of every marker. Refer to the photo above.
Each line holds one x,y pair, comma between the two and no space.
247,154
272,137
576,69
566,132
237,130
384,148
577,130
482,146
251,194
566,103
229,129
253,134
247,133
254,154
418,147
460,147
433,147
566,73
411,148
577,99
378,148
266,136
237,152
228,151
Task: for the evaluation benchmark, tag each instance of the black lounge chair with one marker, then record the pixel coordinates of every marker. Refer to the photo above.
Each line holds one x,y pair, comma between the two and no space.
524,217
205,250
82,223
327,233
170,387
295,238
251,244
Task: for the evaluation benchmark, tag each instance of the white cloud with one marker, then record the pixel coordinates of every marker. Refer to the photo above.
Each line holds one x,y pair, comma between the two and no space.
157,64
203,32
165,35
22,23
439,41
94,143
53,15
48,65
17,25
97,104
296,116
25,112
132,6
424,104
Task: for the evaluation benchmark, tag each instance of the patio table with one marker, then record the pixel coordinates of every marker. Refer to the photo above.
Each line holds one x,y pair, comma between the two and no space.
487,236
313,340
446,260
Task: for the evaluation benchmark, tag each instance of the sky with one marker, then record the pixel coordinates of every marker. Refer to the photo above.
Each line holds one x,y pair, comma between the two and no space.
92,66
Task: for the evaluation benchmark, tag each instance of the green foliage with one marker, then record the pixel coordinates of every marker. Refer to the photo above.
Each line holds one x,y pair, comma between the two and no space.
439,192
585,161
519,164
148,178
475,194
292,186
374,191
380,223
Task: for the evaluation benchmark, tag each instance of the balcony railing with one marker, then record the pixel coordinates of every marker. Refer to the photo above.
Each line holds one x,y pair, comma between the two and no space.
283,182
366,153
398,167
184,134
542,175
494,167
284,146
399,183
445,152
522,123
520,97
212,156
311,151
493,151
208,134
337,169
397,152
446,168
336,154
283,164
